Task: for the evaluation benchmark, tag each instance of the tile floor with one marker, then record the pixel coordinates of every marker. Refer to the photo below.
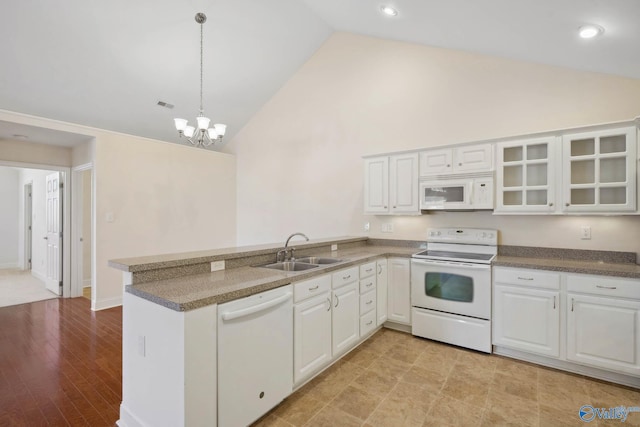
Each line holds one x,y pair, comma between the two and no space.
20,287
394,379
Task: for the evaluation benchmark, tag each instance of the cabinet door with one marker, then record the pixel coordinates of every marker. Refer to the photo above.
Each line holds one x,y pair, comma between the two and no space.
346,318
527,319
403,184
599,171
473,158
604,332
434,162
525,176
381,284
376,185
399,290
312,336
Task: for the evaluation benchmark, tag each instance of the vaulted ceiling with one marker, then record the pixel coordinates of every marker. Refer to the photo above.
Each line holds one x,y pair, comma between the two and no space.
106,64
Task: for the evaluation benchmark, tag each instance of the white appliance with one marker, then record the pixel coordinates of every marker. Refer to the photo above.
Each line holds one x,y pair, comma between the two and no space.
255,355
451,287
457,192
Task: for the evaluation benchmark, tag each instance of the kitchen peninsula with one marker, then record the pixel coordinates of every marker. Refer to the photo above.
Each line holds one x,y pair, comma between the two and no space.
172,311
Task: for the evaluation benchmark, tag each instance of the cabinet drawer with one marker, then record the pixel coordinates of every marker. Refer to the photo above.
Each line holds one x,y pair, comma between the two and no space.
602,285
345,276
308,288
367,302
367,323
367,284
368,269
523,277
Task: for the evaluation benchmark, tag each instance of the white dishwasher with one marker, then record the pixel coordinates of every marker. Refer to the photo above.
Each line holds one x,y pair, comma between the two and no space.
255,355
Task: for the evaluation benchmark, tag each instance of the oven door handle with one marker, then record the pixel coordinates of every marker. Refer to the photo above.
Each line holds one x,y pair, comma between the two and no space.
452,264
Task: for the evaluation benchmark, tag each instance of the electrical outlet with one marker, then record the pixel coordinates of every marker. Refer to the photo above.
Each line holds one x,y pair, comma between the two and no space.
585,232
217,265
367,226
334,247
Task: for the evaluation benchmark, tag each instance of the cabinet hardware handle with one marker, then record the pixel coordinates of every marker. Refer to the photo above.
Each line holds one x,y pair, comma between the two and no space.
369,302
448,166
346,277
525,278
567,204
459,164
554,302
385,207
606,287
369,322
329,301
314,288
379,269
337,301
394,207
370,284
550,204
571,304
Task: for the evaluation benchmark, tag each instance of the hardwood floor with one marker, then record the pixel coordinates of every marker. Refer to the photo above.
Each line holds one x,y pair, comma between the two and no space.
60,364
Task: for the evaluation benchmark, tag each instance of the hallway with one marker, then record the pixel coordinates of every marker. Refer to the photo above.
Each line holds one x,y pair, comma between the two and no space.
21,287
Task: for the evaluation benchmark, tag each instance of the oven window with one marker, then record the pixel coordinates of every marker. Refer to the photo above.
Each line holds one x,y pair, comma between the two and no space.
451,287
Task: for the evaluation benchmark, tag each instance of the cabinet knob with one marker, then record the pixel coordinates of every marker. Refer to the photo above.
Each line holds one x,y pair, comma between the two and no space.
448,166
459,164
385,207
550,204
567,204
394,207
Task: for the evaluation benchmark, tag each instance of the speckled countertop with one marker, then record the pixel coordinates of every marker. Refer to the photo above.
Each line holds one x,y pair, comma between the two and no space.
627,269
199,290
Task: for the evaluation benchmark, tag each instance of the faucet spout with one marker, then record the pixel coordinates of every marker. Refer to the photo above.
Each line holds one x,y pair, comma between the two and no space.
287,252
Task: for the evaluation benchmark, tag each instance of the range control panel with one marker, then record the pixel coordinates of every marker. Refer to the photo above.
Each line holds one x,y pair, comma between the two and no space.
471,236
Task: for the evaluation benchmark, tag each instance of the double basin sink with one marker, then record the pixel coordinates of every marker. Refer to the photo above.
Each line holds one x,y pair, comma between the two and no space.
301,264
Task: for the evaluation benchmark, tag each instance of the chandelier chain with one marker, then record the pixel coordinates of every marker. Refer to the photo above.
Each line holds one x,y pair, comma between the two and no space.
201,62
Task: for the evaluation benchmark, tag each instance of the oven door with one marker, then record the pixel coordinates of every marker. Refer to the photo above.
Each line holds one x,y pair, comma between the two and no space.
452,287
445,195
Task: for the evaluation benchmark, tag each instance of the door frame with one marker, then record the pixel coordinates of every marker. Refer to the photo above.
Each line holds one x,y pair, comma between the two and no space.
28,227
76,230
66,223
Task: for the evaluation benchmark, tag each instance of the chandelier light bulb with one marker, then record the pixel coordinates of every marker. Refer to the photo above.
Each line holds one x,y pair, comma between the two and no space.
180,124
189,131
220,129
212,133
203,122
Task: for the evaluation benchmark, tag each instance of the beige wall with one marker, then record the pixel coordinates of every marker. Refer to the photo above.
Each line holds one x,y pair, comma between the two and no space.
86,227
29,152
299,159
164,198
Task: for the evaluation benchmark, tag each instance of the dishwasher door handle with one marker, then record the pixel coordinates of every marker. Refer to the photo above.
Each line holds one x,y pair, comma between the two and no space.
231,315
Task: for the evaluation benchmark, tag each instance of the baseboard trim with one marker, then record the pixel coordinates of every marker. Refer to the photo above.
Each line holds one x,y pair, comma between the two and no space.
103,304
397,327
588,371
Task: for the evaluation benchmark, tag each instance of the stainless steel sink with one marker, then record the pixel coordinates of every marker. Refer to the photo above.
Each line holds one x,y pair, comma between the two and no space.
318,260
291,266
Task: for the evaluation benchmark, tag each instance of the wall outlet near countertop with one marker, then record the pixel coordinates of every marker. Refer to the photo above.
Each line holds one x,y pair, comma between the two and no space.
334,247
217,265
367,226
585,232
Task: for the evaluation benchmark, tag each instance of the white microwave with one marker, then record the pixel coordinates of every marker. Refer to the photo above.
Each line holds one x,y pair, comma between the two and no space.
456,194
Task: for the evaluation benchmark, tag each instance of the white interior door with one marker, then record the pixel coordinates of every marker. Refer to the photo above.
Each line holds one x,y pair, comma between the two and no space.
54,234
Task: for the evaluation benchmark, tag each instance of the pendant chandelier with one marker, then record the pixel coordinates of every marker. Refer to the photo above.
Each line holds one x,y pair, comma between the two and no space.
203,135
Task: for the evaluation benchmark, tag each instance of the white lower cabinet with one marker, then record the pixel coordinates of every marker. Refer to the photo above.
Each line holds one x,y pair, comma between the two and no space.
399,290
603,322
381,290
312,336
602,328
345,322
527,319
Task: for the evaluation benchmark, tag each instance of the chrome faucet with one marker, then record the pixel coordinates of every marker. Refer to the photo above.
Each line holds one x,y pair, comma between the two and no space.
287,253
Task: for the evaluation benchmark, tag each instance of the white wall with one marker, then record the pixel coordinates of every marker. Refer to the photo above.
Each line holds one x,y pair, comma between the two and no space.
9,248
299,158
164,198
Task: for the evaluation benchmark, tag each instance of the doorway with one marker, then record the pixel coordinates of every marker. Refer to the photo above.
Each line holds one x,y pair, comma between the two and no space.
27,261
82,223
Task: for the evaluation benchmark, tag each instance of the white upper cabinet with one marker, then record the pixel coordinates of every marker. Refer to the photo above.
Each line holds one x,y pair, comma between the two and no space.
403,184
391,185
376,185
470,158
599,171
525,176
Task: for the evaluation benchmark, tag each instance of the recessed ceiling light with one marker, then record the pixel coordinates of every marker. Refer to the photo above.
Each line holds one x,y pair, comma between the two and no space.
388,10
590,31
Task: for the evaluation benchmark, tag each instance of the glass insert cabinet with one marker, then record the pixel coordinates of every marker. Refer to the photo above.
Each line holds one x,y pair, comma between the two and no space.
586,172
